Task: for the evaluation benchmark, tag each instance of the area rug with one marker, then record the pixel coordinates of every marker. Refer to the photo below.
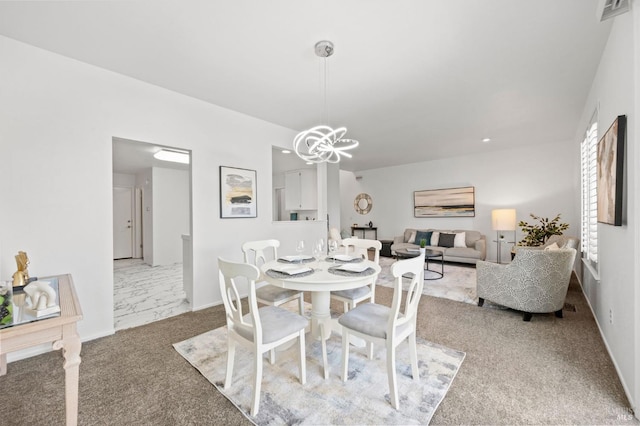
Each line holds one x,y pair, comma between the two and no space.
458,282
363,399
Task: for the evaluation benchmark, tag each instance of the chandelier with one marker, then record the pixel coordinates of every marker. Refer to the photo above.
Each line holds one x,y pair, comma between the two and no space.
323,143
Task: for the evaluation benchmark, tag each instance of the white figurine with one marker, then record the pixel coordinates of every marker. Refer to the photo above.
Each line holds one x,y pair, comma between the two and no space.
41,299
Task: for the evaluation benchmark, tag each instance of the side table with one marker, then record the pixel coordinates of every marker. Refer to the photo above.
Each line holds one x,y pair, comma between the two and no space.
386,248
61,331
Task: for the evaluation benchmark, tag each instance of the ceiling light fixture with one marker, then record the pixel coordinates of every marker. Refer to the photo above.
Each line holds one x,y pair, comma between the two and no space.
286,151
323,143
485,140
172,155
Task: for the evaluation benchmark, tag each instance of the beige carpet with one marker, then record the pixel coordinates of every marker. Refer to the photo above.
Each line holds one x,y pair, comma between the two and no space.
548,371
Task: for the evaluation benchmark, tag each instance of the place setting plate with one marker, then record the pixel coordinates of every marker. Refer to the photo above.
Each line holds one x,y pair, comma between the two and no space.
344,258
287,271
350,270
301,258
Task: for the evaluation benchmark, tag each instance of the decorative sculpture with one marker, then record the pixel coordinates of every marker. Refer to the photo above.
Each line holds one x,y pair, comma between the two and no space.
21,276
41,299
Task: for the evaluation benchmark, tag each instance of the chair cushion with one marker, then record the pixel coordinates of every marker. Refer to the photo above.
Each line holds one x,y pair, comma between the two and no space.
370,319
353,294
276,324
273,294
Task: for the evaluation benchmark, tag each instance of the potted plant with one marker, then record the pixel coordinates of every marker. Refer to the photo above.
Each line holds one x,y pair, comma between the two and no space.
423,245
538,233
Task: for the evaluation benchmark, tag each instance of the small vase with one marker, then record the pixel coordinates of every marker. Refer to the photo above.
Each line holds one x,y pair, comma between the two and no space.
370,224
423,250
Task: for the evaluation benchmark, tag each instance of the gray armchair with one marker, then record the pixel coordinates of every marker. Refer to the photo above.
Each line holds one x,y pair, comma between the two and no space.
536,281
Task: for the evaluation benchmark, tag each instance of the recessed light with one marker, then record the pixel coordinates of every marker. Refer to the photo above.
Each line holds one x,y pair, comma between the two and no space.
485,140
171,155
286,151
309,163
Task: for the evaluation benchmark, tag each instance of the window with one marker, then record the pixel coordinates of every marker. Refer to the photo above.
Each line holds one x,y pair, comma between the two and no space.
589,222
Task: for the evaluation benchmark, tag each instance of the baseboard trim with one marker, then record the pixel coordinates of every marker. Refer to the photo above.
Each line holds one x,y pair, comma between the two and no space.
613,359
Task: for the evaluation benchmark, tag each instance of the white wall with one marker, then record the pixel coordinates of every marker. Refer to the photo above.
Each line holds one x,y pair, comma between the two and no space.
544,181
616,294
57,120
144,180
171,211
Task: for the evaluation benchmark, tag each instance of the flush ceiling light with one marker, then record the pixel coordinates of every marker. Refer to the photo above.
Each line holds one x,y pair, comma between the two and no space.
323,143
286,151
173,156
485,140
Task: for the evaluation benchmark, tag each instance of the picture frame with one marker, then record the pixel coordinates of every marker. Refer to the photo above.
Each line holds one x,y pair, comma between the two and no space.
238,193
449,202
610,172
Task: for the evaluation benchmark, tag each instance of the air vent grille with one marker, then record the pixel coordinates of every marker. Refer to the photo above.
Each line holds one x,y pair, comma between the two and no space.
610,8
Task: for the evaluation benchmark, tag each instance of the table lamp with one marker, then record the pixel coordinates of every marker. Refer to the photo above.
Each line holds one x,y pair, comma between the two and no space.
503,220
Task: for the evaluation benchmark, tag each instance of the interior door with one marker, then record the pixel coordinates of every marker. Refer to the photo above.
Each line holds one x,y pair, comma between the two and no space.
122,223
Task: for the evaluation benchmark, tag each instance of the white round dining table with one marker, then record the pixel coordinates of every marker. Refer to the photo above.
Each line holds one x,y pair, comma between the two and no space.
320,284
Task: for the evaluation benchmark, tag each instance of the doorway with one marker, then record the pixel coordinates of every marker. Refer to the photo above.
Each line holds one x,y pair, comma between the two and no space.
151,218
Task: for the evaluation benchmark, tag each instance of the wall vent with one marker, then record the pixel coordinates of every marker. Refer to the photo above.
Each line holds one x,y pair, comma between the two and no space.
610,8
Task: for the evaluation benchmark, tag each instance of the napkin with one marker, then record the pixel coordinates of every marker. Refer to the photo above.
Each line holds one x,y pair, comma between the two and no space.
344,257
353,267
296,258
290,269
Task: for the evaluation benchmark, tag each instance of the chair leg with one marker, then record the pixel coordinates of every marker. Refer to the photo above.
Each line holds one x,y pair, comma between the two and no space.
559,313
302,358
345,354
301,304
413,353
345,307
272,356
231,352
391,372
480,301
257,381
370,350
526,316
323,343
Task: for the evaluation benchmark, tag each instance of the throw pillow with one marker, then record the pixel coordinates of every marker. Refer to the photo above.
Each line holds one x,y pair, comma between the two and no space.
412,238
422,235
553,246
434,238
460,240
446,240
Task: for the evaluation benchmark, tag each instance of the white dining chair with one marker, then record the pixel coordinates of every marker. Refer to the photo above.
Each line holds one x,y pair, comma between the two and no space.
259,252
382,325
359,247
261,329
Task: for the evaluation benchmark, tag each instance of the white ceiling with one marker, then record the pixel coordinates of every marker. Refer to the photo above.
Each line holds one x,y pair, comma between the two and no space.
413,80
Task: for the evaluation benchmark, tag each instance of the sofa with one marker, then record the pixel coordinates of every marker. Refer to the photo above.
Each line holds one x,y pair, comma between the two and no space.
468,248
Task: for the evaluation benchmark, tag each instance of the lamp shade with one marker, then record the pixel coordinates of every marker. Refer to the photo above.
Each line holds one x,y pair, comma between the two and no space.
503,219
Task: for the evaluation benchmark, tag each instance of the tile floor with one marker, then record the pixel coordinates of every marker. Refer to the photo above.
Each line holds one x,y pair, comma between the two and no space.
143,293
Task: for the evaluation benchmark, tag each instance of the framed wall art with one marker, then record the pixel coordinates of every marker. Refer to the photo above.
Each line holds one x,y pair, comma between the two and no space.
609,172
238,193
451,202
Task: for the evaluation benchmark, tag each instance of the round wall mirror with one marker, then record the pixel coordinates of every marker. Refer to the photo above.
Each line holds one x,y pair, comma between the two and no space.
363,203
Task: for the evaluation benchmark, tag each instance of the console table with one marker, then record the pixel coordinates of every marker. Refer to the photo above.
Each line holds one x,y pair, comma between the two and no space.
364,230
61,331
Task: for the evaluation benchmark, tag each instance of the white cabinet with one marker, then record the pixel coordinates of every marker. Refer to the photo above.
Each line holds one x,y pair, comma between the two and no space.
301,190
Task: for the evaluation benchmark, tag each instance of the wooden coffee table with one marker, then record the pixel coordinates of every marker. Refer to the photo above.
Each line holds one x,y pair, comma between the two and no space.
428,254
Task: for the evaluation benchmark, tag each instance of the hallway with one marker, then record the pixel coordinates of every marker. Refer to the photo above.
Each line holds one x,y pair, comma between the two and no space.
143,294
